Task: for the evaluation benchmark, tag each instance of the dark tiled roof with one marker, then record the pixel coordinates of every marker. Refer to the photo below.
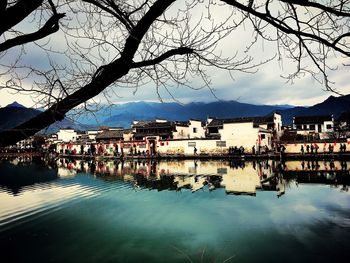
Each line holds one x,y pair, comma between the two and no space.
153,124
215,123
255,120
182,123
128,130
312,119
261,120
105,135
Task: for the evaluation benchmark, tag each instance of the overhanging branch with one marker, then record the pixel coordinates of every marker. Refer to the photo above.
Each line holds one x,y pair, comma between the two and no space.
50,27
166,55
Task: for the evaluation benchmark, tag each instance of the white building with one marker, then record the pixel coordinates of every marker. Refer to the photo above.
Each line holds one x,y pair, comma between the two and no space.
245,134
193,129
196,129
67,135
92,134
240,132
317,124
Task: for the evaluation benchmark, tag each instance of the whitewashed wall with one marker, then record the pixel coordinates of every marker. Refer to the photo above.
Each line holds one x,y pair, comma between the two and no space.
200,132
67,135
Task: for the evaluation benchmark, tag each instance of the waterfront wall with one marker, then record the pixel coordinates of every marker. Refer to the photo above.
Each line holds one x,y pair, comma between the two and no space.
204,146
323,147
187,146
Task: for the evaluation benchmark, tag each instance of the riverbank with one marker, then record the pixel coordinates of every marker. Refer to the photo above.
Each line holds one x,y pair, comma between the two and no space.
269,156
20,154
248,156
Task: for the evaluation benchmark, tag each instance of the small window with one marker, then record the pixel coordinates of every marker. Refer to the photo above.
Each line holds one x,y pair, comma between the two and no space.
329,126
220,143
222,170
312,127
262,136
194,130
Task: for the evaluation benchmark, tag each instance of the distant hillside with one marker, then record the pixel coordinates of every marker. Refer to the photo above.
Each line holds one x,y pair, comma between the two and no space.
332,105
15,114
123,115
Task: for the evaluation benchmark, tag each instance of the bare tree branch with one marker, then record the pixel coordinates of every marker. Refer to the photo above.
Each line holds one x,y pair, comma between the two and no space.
50,27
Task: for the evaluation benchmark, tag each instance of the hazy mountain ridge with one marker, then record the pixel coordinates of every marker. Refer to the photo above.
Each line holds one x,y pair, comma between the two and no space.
122,115
15,114
332,105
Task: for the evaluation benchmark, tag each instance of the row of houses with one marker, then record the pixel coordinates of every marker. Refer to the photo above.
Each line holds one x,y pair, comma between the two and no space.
214,135
176,137
322,123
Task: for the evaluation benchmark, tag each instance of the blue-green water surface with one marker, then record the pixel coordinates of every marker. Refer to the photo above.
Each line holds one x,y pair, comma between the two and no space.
84,217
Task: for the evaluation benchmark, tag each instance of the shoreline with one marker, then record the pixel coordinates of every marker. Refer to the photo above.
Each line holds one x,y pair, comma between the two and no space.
248,157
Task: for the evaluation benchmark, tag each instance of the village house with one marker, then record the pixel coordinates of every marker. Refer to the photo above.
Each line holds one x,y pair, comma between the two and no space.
67,135
239,132
191,129
128,134
107,136
154,130
247,132
92,134
26,143
343,121
313,124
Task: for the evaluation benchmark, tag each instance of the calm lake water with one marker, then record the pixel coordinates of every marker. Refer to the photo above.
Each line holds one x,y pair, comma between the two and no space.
180,211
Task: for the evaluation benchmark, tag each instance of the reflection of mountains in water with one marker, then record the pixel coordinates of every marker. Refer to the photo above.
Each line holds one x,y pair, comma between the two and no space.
19,173
235,178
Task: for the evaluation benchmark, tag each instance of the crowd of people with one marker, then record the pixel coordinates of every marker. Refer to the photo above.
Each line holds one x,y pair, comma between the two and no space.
314,148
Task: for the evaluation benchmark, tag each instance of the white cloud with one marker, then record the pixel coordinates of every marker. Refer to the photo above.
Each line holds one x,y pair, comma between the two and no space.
264,87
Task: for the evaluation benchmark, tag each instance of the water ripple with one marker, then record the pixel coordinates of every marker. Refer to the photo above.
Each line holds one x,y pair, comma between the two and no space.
34,200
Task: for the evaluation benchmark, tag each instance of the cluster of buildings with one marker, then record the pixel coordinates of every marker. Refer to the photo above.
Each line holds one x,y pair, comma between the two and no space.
174,137
212,136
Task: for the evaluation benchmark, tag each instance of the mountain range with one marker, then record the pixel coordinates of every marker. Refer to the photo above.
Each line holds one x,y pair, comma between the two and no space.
15,114
122,115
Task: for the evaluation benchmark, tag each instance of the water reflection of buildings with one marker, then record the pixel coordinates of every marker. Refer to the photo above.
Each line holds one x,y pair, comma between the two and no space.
236,178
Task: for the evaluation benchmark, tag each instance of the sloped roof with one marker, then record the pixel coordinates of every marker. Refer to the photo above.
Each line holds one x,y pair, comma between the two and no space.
312,119
153,124
255,120
105,135
182,123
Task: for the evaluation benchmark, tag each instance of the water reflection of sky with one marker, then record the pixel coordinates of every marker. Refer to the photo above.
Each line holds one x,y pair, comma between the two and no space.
102,218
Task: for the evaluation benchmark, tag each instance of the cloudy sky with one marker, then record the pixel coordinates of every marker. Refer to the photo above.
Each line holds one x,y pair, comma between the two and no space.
266,86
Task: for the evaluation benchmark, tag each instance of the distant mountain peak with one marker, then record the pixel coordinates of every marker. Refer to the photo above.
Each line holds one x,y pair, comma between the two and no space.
15,104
